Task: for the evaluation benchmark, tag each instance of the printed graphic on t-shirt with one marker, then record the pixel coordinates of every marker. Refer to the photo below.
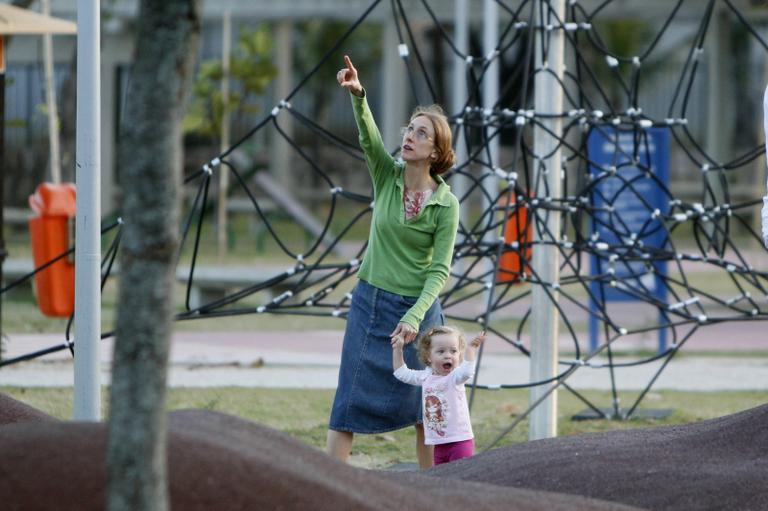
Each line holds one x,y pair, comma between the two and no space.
435,411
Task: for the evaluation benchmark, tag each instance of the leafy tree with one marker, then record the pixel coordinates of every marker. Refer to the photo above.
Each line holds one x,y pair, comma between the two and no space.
312,41
251,71
315,37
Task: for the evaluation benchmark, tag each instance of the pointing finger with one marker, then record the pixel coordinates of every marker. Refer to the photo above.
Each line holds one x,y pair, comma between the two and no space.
348,62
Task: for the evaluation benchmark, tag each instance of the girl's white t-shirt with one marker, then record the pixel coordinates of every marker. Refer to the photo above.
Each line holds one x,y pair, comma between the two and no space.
444,402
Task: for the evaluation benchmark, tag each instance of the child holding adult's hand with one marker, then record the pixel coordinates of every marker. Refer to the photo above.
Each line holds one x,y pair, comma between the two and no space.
450,364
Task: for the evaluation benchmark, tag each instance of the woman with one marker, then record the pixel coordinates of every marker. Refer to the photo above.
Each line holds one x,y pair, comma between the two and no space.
410,246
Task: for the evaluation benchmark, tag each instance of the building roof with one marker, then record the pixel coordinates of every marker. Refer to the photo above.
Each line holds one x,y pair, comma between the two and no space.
442,9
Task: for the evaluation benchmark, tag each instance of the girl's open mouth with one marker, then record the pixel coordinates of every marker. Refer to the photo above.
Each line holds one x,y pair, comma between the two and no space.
447,366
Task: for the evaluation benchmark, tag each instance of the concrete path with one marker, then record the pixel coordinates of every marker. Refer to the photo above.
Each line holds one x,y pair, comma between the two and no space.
311,359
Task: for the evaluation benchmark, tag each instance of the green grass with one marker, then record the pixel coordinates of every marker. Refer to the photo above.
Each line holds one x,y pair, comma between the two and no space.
303,413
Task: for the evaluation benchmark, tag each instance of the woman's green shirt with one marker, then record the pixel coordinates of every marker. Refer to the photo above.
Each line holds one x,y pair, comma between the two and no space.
410,257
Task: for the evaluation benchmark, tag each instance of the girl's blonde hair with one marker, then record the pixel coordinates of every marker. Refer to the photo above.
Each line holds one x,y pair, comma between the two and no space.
425,342
443,139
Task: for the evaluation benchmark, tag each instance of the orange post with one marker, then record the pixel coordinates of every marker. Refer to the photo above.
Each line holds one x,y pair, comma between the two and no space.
50,233
515,261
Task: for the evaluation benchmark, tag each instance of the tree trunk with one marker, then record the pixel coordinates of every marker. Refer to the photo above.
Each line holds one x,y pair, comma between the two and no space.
166,48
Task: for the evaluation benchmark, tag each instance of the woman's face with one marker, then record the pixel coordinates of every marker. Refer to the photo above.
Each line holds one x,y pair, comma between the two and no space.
418,140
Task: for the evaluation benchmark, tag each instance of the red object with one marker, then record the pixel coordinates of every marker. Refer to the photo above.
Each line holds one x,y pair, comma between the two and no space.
50,233
518,229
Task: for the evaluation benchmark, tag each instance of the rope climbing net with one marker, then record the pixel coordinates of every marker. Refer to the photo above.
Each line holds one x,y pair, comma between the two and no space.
634,257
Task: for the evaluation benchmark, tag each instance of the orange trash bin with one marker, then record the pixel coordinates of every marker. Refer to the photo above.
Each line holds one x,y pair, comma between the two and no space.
49,230
517,229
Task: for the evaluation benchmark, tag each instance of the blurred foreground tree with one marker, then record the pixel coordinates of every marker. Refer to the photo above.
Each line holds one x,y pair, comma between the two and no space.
166,47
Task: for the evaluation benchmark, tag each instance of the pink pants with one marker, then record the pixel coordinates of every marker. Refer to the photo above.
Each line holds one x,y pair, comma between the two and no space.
453,451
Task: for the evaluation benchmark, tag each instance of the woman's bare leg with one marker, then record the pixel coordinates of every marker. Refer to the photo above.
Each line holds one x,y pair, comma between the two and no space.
339,444
424,453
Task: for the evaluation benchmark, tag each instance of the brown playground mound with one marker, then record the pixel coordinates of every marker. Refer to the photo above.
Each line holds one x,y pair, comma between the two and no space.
12,411
220,462
715,464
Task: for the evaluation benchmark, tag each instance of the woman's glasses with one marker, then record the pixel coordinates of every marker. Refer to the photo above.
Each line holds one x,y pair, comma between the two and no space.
419,134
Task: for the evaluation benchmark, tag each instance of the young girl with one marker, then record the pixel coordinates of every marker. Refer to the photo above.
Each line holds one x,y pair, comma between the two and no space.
445,411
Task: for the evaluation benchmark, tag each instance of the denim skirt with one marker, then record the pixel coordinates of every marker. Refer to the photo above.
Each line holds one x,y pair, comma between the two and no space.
369,399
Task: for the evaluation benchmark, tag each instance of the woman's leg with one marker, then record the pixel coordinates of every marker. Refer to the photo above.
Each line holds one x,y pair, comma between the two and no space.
339,444
423,452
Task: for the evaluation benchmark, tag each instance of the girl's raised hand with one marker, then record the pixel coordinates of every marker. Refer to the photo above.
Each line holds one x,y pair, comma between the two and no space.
478,340
347,78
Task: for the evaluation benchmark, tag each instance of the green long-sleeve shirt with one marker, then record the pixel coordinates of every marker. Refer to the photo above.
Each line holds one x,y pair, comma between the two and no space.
410,257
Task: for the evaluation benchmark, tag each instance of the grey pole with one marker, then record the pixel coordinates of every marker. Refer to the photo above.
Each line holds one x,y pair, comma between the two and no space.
3,251
545,259
459,95
281,149
490,97
719,121
50,100
87,402
395,92
221,205
491,77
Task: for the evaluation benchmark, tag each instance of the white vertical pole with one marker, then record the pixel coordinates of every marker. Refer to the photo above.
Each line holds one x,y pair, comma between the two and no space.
491,77
87,403
545,259
490,97
718,120
459,97
50,100
716,96
226,43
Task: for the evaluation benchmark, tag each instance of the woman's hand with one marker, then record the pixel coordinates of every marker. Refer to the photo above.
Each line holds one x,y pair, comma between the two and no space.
406,331
347,78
